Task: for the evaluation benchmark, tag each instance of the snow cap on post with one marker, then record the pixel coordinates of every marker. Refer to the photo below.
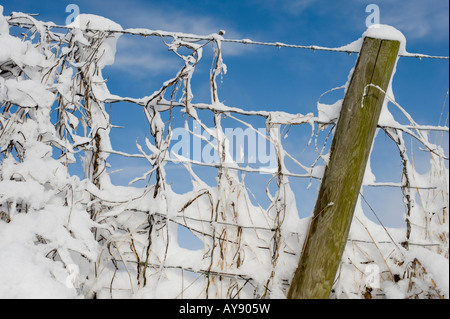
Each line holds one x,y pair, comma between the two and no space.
386,32
379,31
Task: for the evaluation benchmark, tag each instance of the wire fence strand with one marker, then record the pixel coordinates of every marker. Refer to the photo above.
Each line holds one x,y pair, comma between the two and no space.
212,37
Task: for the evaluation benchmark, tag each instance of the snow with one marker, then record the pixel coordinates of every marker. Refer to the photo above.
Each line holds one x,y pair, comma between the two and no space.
435,265
106,52
27,277
329,113
378,31
386,32
24,270
28,93
4,27
94,22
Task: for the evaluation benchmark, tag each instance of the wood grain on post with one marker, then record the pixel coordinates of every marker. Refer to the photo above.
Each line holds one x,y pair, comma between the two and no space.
341,184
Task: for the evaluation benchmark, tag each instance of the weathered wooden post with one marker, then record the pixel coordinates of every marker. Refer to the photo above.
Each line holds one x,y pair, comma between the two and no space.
341,184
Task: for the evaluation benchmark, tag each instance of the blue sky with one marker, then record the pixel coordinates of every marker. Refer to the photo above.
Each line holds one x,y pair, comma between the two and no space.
268,78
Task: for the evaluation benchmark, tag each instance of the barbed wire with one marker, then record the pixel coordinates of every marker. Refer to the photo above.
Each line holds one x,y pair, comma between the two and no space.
320,48
212,37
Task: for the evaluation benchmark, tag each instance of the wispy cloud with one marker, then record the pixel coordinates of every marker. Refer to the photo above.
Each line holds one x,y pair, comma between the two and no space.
291,7
139,56
417,19
137,14
298,6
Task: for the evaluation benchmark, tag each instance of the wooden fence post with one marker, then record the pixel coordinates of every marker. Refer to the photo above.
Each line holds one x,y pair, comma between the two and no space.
341,184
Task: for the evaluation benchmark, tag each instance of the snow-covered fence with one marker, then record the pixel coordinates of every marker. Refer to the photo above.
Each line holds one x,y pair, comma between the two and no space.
124,240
